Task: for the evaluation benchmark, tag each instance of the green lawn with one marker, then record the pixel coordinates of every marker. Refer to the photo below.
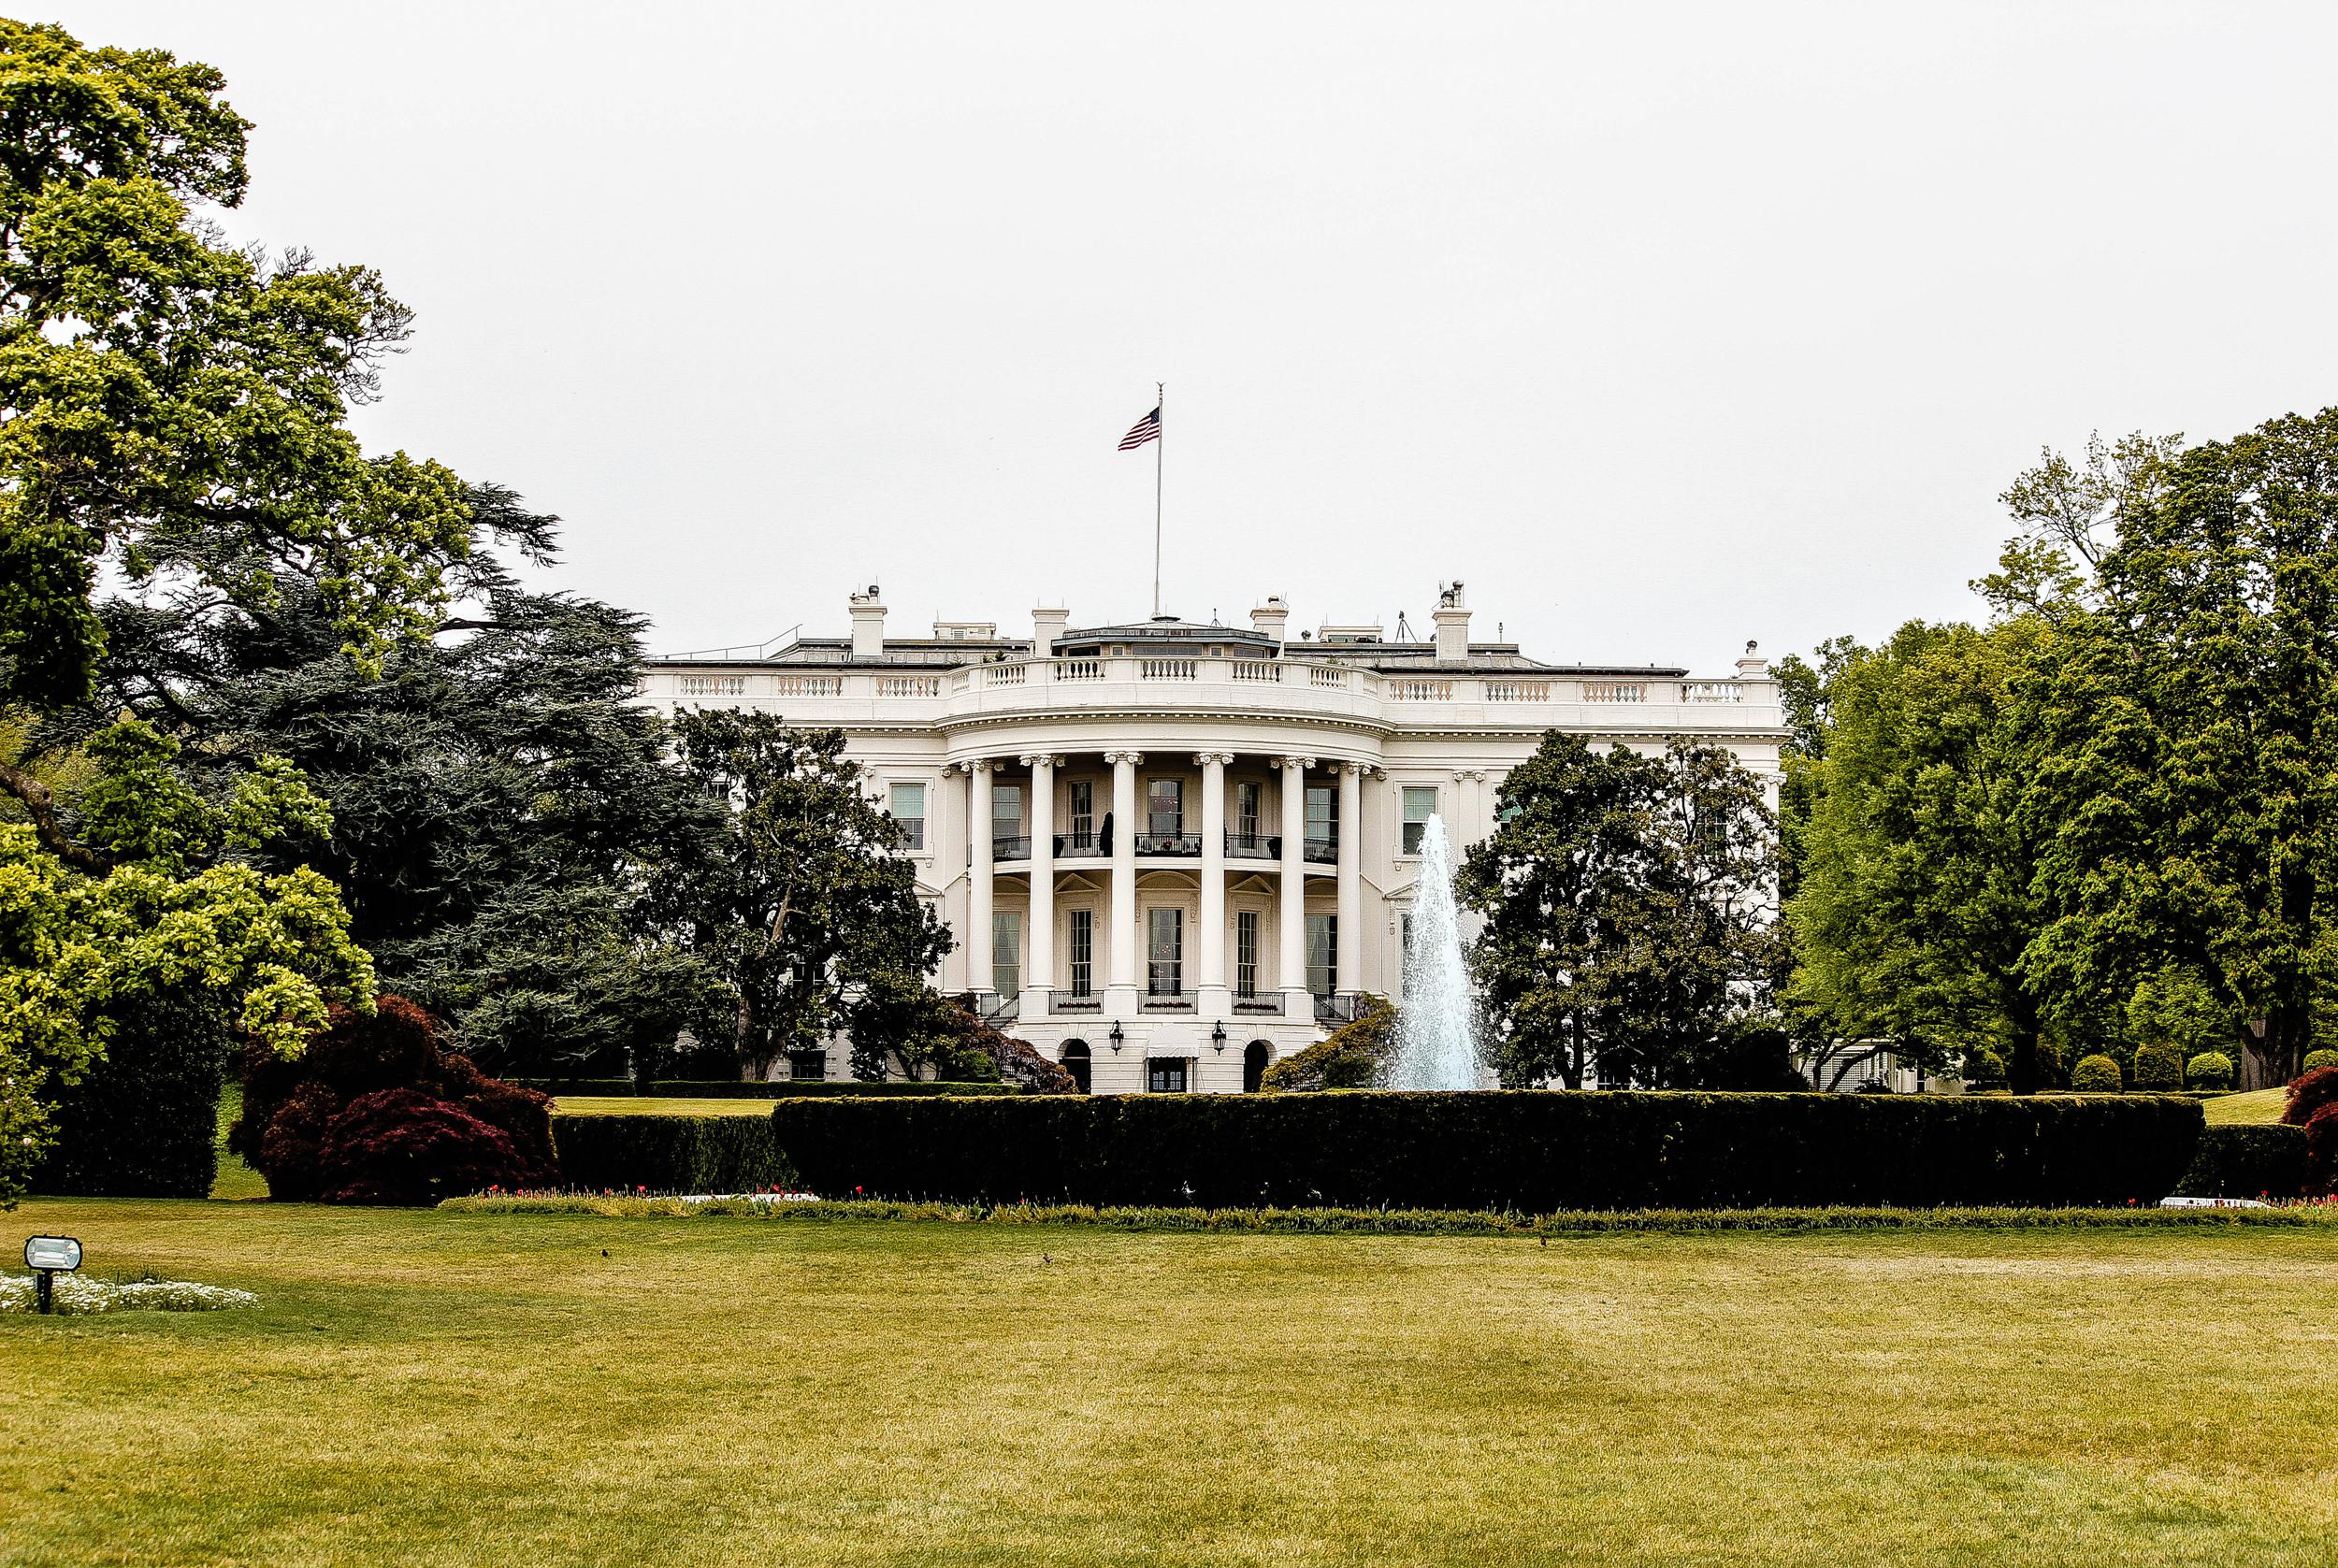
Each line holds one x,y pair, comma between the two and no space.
653,1105
431,1388
2258,1106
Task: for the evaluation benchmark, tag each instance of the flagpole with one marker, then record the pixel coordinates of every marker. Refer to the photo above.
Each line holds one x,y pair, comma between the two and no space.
1161,402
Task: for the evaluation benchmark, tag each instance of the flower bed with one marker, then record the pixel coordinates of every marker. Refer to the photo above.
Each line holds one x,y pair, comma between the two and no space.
84,1294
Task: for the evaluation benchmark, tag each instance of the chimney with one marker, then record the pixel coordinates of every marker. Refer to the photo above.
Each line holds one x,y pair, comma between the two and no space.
1453,626
1045,627
1269,617
1752,666
868,625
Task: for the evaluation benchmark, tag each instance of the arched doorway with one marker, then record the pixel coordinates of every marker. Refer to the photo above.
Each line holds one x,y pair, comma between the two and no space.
1256,1057
1075,1059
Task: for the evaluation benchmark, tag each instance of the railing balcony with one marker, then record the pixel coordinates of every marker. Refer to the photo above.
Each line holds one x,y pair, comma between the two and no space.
1079,846
1254,846
1166,1001
1324,851
1168,844
1069,1005
1265,1006
1336,1008
1010,846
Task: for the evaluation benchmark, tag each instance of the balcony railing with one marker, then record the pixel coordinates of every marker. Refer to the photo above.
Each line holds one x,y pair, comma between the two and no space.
1337,1008
1066,1003
1270,1005
1168,844
1254,846
1324,851
1010,846
1078,847
1166,1001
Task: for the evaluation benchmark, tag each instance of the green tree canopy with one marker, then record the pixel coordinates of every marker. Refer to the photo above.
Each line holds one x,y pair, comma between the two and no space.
1627,910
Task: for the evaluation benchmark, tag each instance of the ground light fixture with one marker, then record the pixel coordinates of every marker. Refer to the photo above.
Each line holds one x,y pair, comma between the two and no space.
47,1257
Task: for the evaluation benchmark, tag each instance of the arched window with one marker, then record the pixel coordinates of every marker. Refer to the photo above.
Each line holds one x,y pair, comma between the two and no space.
1075,1059
1256,1057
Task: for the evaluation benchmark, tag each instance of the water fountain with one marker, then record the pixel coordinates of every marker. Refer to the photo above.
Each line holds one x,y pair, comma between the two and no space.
1436,1045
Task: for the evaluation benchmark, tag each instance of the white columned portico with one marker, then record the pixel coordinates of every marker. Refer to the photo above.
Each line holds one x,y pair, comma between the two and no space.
1292,920
1039,943
1212,995
1348,957
978,853
1121,987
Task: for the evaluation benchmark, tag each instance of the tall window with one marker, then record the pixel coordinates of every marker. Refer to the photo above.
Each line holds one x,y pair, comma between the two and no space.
1083,952
1006,952
1165,808
1248,798
1245,953
1322,954
1164,952
1006,815
907,802
1322,816
1419,806
1083,813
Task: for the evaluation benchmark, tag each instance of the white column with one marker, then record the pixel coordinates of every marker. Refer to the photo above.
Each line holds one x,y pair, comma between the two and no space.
1292,970
1123,950
1039,942
1349,956
978,852
1213,999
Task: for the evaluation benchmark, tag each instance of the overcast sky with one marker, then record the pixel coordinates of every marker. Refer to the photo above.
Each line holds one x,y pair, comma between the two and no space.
1663,327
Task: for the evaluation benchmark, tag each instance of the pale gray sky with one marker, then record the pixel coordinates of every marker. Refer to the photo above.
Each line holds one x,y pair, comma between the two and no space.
1664,326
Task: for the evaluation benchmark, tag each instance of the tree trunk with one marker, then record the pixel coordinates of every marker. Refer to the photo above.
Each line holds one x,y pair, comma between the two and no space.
2026,1073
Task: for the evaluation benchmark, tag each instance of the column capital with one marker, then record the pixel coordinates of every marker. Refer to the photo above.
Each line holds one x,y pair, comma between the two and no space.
1034,759
1363,770
1469,775
982,764
1133,758
1202,759
1302,763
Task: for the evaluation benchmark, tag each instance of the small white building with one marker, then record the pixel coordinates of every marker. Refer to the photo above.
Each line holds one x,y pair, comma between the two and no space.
1172,854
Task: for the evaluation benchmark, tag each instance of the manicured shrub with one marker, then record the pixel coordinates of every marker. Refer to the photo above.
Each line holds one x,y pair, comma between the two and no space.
1984,1069
373,1111
1531,1150
1355,1055
2315,1060
142,1122
2158,1067
668,1154
2247,1162
2210,1070
2097,1074
777,1089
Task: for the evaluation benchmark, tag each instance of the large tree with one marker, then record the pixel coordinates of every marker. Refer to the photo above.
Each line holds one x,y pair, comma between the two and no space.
2187,792
807,919
1916,907
1627,912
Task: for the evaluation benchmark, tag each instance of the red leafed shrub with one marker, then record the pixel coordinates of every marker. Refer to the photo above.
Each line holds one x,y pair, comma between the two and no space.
373,1111
401,1146
2313,1107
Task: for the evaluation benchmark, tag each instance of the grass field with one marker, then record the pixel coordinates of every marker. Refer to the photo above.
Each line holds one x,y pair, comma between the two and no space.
430,1388
2259,1106
654,1105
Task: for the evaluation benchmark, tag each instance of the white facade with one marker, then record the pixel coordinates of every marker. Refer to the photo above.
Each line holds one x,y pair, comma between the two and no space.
1180,851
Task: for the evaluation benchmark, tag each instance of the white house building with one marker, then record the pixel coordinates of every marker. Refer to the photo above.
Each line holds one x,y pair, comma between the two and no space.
1172,854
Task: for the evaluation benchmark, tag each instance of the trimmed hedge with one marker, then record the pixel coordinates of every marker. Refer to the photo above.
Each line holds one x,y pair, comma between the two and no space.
778,1088
667,1154
2247,1162
1534,1151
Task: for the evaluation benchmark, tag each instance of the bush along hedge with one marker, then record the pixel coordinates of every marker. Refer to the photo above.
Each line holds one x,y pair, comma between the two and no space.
2247,1162
143,1121
1534,1151
667,1154
2210,1070
778,1088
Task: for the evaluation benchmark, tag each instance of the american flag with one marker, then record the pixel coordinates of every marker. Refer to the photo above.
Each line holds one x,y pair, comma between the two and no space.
1146,429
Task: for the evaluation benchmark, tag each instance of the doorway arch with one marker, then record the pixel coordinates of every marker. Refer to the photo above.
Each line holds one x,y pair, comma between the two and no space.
1074,1058
1256,1057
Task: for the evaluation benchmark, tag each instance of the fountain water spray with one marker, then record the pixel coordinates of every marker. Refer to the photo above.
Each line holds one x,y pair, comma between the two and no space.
1436,1045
